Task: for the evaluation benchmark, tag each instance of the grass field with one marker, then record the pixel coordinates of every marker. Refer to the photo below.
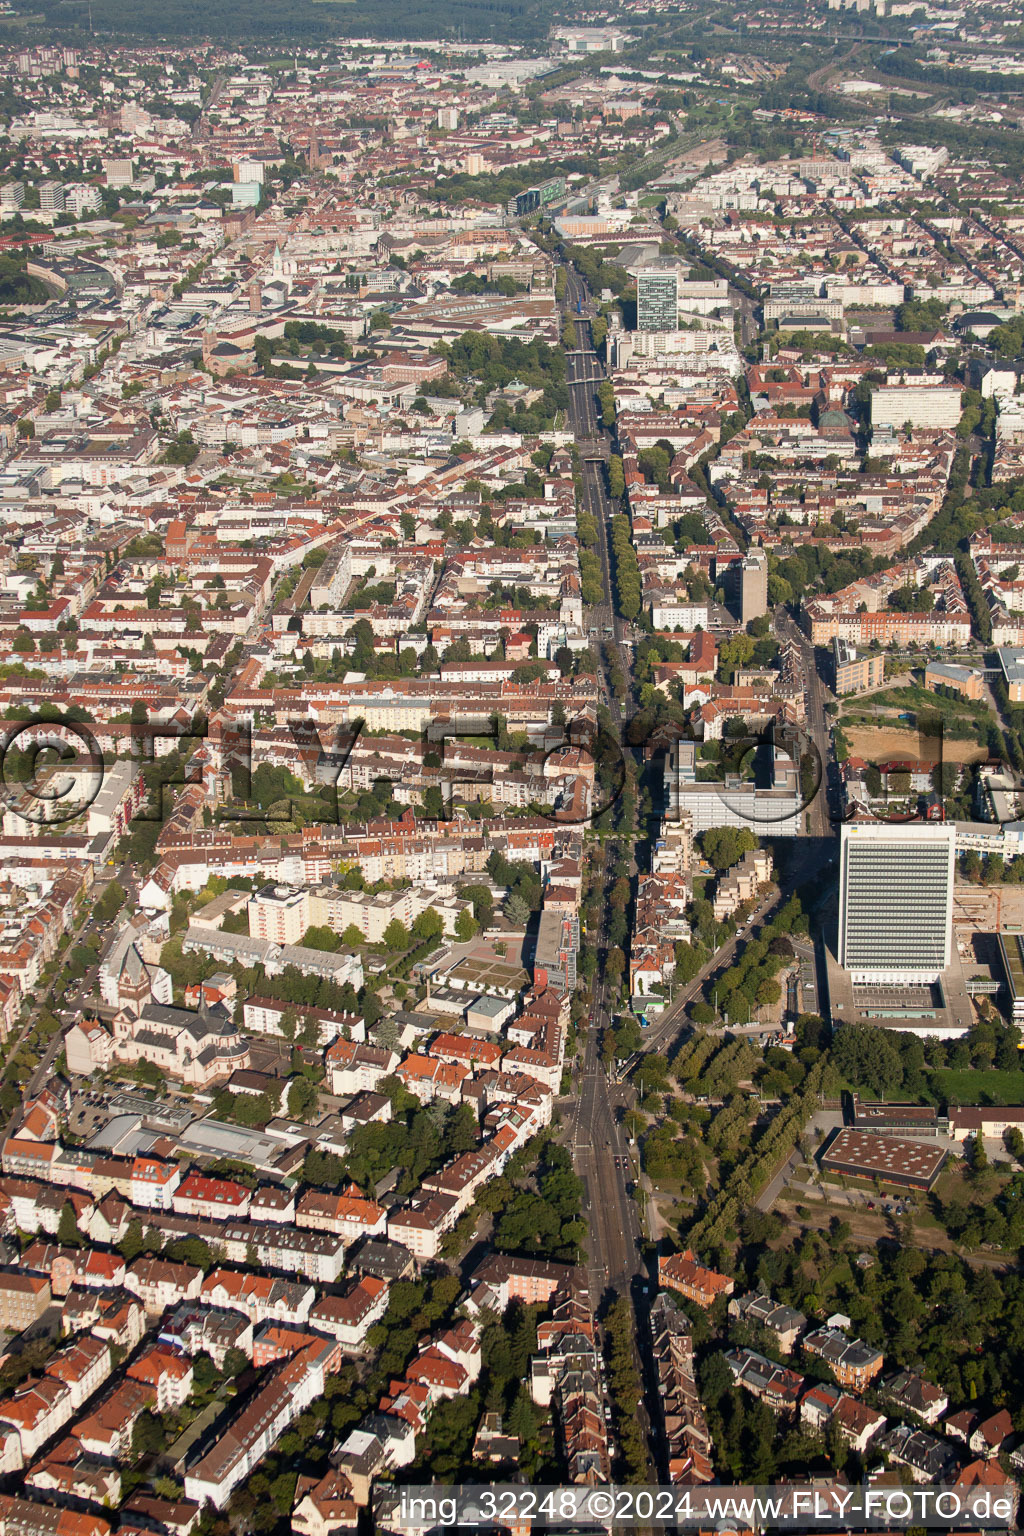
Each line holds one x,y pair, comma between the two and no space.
974,1087
912,696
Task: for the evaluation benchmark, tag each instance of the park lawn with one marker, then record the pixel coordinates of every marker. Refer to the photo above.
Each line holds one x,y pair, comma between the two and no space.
974,1087
829,1283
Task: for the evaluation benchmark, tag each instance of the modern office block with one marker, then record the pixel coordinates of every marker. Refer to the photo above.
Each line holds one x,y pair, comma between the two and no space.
896,901
657,298
753,586
772,808
853,672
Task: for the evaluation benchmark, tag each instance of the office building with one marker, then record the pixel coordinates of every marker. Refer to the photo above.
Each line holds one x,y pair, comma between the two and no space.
770,805
852,673
966,681
799,306
524,203
1011,949
558,941
81,197
657,298
1012,662
700,296
248,170
896,901
753,578
120,171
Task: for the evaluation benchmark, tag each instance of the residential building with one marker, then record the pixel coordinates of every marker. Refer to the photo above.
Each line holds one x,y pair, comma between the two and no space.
682,1273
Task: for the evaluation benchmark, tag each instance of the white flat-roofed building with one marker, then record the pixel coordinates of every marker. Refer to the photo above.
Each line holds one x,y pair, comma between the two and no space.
279,913
922,404
772,810
896,901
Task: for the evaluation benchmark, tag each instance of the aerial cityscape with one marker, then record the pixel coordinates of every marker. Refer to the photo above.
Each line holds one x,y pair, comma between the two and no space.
512,762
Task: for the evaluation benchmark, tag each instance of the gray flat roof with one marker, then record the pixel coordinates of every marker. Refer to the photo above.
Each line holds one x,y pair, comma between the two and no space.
218,1139
1011,659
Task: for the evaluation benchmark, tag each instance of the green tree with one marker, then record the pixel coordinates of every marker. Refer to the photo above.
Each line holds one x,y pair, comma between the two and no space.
427,928
303,1099
465,925
483,902
616,476
148,1436
133,1242
110,903
396,936
68,1234
725,846
322,938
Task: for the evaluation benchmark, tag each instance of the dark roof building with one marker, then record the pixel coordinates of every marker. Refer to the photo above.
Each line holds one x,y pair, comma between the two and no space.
870,1155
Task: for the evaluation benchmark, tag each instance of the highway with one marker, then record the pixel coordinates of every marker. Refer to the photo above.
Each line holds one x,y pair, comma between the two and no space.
595,1136
593,1124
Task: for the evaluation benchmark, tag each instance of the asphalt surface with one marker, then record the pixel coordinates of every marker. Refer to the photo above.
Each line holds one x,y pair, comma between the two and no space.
595,1132
821,824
